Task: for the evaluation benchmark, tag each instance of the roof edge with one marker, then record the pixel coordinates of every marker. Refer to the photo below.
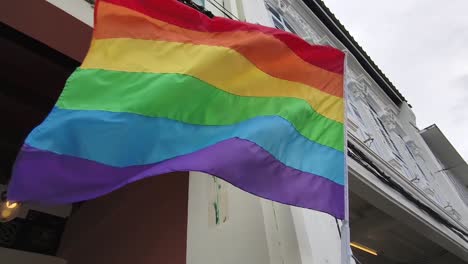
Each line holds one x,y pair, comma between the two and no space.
340,32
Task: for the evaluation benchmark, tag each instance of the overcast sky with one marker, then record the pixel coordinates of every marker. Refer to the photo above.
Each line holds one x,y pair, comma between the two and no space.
422,47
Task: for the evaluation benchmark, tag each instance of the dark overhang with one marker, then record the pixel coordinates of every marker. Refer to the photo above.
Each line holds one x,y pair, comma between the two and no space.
446,153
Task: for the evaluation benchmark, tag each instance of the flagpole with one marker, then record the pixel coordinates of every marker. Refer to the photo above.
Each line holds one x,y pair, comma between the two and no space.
345,229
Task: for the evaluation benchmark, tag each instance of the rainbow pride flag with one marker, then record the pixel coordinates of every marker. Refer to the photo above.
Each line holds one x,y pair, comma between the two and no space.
164,88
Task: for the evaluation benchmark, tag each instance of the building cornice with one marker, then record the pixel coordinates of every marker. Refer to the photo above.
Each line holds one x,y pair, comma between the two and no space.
372,189
340,32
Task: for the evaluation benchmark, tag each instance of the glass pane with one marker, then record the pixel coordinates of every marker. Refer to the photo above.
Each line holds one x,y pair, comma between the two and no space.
278,24
290,29
356,112
274,13
199,2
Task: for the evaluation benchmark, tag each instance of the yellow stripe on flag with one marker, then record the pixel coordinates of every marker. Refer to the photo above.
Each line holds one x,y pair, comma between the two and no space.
207,63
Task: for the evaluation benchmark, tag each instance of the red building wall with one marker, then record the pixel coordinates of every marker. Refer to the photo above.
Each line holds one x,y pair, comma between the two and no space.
144,222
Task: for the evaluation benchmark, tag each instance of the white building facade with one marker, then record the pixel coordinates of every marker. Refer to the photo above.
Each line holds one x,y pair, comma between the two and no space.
382,126
424,223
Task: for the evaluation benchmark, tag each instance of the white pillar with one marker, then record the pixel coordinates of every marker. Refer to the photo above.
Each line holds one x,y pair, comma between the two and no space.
254,230
318,236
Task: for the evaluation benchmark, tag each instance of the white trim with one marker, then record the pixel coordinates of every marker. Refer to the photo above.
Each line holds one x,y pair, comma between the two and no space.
345,233
394,204
357,49
404,182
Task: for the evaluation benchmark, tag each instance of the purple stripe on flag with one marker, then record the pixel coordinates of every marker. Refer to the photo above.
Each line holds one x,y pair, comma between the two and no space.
52,178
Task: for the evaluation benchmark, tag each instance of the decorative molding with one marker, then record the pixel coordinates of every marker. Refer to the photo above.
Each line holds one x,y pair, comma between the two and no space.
358,91
285,7
415,180
351,74
396,165
429,191
455,214
361,86
388,119
352,126
309,33
451,211
415,150
364,81
326,41
424,196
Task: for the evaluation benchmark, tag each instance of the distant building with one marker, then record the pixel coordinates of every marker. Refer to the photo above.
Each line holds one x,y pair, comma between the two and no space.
408,199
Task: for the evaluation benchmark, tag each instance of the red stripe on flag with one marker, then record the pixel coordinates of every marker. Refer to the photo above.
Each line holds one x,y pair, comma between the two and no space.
173,12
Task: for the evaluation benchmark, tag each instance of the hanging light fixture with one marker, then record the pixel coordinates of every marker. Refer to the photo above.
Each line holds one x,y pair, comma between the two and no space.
364,248
9,210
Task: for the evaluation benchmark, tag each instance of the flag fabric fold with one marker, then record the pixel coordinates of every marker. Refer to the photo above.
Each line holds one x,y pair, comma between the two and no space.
164,88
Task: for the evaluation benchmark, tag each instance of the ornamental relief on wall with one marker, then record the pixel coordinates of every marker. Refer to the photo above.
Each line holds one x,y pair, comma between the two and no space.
285,8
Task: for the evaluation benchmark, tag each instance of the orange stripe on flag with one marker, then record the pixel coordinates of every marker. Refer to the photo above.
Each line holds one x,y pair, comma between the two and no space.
120,22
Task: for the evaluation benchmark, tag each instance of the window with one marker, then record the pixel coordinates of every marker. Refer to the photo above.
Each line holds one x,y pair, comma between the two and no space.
91,2
356,112
279,21
386,136
199,2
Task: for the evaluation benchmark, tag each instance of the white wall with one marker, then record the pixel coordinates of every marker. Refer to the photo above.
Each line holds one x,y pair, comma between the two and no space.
255,12
318,236
241,239
256,231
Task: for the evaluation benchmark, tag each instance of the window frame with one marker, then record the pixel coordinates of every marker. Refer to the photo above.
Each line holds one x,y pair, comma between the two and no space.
279,21
199,2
